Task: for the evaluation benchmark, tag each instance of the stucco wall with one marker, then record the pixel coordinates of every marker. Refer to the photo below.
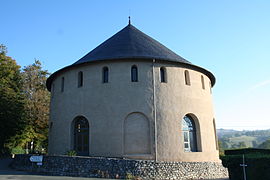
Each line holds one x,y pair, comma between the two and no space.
174,100
107,105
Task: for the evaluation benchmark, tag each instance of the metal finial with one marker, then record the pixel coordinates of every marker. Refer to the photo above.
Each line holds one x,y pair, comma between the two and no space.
128,20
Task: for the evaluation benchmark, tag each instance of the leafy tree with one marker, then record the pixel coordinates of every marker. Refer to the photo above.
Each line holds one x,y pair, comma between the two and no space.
242,144
220,147
11,99
24,105
37,105
223,143
254,144
265,145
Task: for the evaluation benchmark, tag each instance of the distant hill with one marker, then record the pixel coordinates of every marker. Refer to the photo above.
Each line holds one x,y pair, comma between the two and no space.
229,138
224,132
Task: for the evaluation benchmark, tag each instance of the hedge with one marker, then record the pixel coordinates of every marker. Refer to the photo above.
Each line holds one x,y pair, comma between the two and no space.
246,151
258,165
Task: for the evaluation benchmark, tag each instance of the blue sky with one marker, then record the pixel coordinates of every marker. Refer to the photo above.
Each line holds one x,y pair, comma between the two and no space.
230,38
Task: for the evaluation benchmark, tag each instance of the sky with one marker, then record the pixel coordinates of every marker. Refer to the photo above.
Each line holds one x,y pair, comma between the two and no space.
227,37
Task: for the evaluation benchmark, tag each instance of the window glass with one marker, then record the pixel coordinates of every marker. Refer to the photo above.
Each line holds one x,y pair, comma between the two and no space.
134,74
189,134
202,80
52,89
62,84
186,139
216,139
80,79
210,87
105,75
162,74
187,78
81,136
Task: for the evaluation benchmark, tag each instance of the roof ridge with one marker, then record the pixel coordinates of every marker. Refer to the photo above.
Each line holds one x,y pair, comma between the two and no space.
130,42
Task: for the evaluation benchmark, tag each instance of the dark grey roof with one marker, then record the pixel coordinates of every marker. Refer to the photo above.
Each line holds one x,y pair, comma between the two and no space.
131,43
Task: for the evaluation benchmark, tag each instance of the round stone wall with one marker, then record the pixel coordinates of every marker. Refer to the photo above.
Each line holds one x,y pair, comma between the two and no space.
121,168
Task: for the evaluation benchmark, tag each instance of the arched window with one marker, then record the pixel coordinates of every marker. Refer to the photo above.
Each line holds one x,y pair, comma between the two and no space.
210,87
52,90
51,125
105,75
189,134
62,84
80,79
202,80
162,74
81,136
134,74
215,131
187,78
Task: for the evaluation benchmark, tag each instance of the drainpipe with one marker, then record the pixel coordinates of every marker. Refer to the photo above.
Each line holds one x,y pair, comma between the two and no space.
154,105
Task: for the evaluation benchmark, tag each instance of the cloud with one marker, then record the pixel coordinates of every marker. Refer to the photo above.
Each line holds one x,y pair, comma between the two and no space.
259,85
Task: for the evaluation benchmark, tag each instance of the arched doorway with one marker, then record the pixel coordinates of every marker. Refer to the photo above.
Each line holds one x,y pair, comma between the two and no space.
81,136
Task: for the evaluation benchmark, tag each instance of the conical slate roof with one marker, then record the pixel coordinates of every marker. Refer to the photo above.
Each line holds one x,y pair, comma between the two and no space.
131,43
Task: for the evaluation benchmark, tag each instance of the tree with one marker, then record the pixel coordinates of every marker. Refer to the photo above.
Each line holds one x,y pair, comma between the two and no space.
242,144
37,105
220,147
12,101
24,105
254,144
223,143
265,145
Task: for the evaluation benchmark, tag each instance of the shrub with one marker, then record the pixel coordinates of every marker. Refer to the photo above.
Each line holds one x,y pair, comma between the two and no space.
130,176
258,165
247,151
71,153
17,150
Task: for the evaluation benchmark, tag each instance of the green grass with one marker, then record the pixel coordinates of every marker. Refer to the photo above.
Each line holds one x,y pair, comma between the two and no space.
247,139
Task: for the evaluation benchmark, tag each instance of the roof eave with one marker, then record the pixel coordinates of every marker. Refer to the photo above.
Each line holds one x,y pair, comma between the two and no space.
206,72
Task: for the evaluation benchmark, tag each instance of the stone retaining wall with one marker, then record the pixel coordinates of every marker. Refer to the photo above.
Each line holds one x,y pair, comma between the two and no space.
121,168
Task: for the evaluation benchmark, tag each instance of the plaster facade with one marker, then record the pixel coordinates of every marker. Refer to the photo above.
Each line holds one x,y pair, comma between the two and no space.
139,120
